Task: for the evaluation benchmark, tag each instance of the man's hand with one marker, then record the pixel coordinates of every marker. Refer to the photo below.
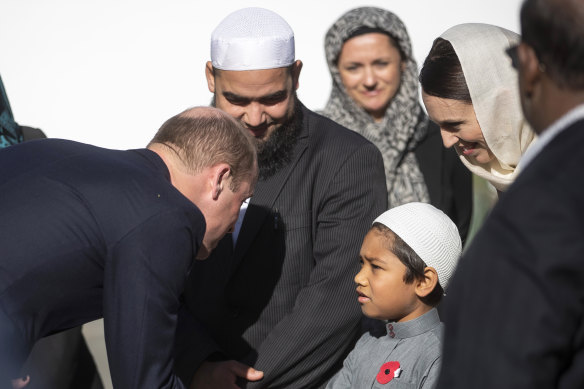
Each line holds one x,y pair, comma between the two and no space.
223,375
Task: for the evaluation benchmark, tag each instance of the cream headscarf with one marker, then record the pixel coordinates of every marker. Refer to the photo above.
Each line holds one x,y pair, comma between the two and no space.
494,91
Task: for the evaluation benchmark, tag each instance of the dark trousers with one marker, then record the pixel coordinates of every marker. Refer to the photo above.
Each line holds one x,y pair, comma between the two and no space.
62,361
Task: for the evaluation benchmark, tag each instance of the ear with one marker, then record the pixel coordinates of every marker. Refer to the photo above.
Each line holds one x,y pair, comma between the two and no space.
221,173
210,76
426,285
529,69
296,68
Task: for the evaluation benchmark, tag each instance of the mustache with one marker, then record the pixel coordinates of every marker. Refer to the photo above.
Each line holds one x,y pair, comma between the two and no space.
259,127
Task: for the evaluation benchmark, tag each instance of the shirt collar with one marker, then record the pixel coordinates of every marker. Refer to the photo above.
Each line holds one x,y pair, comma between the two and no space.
550,133
415,327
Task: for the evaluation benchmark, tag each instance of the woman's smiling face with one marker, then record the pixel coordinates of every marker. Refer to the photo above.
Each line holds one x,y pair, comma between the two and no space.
370,67
459,127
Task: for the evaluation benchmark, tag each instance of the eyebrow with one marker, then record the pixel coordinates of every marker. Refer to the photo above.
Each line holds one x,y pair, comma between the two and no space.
372,259
451,123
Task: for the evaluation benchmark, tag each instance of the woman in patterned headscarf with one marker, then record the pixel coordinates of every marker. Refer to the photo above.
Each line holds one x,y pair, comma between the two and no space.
375,93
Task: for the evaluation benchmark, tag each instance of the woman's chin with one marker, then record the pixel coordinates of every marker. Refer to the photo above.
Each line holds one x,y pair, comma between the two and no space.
482,157
376,112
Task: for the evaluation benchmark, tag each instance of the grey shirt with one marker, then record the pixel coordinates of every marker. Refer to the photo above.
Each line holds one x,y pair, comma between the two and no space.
415,344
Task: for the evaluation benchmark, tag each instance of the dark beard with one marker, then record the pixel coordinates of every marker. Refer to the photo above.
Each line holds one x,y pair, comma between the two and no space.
275,152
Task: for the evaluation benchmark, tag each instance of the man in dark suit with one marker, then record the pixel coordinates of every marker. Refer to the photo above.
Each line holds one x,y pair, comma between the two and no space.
88,232
515,315
74,368
279,292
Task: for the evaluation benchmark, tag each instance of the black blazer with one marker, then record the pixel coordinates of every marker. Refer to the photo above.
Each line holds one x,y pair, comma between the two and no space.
88,232
284,299
515,310
75,367
449,182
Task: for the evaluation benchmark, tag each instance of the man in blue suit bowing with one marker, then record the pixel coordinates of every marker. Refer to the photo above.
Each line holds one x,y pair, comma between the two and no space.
87,232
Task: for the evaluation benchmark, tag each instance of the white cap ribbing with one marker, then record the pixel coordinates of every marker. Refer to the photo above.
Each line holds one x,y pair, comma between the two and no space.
430,233
252,39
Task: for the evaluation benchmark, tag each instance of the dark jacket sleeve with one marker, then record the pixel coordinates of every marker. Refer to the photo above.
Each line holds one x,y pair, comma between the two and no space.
193,346
143,281
308,343
513,313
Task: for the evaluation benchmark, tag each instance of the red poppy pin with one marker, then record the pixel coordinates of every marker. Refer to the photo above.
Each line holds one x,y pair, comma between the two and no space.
388,371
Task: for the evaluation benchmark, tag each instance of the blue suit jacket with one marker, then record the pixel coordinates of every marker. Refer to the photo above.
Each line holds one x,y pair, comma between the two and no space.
87,232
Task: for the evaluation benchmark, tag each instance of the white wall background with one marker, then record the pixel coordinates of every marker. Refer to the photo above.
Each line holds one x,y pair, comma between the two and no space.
109,72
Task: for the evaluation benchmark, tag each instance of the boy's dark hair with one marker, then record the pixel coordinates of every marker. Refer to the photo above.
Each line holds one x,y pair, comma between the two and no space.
412,261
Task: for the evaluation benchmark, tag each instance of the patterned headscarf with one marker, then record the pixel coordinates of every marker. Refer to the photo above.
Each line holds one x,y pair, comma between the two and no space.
492,83
10,132
404,124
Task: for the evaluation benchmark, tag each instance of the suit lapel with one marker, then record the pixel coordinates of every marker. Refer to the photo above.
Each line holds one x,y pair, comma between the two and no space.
266,192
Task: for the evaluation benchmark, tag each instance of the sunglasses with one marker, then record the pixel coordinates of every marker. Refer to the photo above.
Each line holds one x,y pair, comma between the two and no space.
513,54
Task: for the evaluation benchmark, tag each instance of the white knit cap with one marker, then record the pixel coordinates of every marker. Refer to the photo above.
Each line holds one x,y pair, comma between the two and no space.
252,39
429,232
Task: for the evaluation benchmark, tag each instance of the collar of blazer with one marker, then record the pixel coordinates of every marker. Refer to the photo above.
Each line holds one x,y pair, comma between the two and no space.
266,192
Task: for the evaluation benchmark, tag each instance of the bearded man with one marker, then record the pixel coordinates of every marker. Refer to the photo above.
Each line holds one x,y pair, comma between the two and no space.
278,293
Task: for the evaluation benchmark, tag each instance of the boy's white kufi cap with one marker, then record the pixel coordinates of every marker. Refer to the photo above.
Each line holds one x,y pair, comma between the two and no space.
252,39
430,233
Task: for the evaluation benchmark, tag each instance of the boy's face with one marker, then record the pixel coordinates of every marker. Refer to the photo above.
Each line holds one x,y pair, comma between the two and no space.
383,294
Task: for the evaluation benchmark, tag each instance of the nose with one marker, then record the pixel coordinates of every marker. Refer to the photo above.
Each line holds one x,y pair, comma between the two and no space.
360,278
369,78
254,115
448,138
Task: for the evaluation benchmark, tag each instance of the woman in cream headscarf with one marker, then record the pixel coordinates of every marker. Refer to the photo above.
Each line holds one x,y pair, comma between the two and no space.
470,90
375,93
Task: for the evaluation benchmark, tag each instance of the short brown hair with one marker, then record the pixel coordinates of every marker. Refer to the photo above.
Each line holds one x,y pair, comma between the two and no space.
205,136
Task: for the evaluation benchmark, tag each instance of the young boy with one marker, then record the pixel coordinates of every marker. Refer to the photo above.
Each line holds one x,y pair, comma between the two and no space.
407,258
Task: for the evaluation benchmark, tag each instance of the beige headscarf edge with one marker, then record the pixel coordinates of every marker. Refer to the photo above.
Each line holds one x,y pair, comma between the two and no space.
494,90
